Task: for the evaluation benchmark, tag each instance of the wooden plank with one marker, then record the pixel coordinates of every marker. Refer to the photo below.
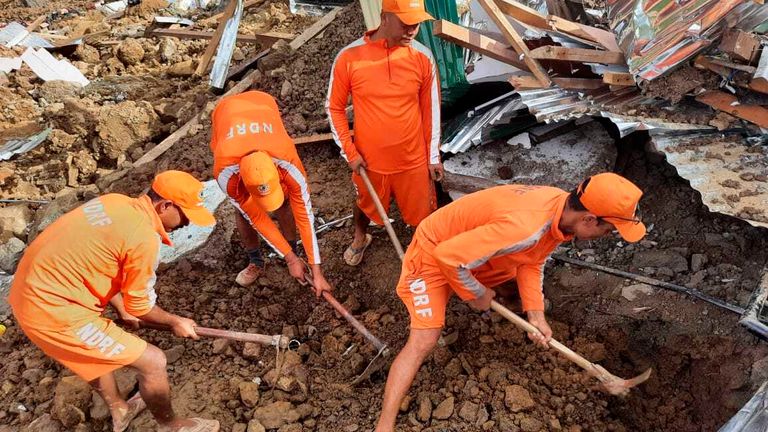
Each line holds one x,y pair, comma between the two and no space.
745,68
530,82
210,50
740,45
466,184
314,29
261,38
523,13
246,5
515,40
618,78
474,41
247,64
317,138
36,23
728,103
605,38
551,52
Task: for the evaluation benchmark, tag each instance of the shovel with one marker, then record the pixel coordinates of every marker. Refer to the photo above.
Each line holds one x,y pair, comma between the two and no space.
608,381
383,351
279,341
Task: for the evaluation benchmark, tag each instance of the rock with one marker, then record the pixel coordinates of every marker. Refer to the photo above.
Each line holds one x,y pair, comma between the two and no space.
255,426
468,411
70,401
14,220
220,346
405,404
167,49
632,292
57,90
182,69
759,372
285,91
249,393
518,399
237,54
530,424
127,380
44,423
276,414
444,410
239,427
123,126
130,52
698,261
99,408
87,53
85,163
10,254
660,258
251,350
173,354
425,408
33,375
45,389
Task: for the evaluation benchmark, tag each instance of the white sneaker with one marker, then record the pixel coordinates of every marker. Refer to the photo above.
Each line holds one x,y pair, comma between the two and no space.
248,275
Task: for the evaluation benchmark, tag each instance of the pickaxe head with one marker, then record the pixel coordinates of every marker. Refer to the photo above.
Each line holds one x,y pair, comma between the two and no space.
616,386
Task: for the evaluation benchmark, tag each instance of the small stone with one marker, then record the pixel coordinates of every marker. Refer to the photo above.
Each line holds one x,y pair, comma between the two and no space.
174,353
660,258
10,254
632,292
255,426
405,404
251,350
167,49
445,409
276,414
285,91
518,399
529,424
182,69
44,423
698,261
468,411
554,424
425,408
220,346
249,393
130,52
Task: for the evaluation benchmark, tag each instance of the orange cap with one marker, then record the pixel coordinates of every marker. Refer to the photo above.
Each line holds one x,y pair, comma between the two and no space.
186,192
614,199
410,12
262,180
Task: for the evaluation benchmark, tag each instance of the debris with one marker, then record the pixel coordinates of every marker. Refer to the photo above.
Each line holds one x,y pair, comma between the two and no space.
226,46
265,39
475,41
9,64
518,399
444,409
632,292
14,220
740,45
47,68
249,393
14,30
19,146
10,254
130,52
276,414
728,103
71,401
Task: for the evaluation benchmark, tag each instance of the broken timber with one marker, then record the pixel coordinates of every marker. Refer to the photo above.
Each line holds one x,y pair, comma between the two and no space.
314,29
728,103
521,82
515,40
247,64
474,41
261,38
550,52
210,50
618,79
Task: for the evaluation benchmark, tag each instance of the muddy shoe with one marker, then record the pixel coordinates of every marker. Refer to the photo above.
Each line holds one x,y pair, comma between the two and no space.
353,256
198,425
248,275
135,406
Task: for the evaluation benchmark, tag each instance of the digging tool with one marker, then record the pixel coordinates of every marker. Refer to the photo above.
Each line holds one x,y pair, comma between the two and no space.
279,341
383,350
382,213
609,382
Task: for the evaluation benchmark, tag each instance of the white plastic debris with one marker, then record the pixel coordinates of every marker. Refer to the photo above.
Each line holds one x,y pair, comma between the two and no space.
47,68
9,64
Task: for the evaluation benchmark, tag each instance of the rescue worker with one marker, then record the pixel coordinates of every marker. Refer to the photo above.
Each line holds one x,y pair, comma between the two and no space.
489,237
393,81
107,251
256,164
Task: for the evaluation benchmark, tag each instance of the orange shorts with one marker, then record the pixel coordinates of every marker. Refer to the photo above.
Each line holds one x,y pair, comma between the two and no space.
91,349
425,291
413,190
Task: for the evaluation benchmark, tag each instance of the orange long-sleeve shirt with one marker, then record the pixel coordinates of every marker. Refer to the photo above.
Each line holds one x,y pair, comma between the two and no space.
249,122
69,273
485,238
396,100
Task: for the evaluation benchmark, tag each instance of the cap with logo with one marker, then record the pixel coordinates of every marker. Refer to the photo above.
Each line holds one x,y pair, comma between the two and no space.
262,180
186,192
410,12
613,198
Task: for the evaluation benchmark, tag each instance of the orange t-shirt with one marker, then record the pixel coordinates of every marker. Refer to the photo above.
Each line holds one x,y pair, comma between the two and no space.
477,239
396,101
249,122
69,273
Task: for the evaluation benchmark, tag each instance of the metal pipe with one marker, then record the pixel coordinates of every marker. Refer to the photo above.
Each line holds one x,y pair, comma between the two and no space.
650,281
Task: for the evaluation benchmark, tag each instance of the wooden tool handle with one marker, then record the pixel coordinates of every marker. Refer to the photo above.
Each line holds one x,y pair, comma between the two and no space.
227,334
530,328
382,213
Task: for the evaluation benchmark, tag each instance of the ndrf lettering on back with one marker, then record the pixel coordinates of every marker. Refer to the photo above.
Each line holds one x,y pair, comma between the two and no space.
95,214
420,299
90,335
242,129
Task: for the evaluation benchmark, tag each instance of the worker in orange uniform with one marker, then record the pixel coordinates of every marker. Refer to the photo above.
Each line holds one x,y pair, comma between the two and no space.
107,251
256,164
395,92
483,239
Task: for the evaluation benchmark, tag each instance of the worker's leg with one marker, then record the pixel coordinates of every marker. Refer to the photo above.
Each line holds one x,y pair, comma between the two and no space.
365,208
106,387
403,371
248,235
361,228
414,193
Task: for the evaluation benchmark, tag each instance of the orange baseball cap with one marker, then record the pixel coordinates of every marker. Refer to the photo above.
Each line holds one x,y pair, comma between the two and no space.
410,12
262,180
615,199
186,192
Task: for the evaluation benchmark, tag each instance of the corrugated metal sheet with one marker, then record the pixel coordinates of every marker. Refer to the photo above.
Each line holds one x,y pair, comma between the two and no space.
554,103
476,126
629,124
659,35
731,176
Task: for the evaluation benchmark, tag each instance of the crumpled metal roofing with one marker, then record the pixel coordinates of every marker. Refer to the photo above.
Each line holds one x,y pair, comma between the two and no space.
731,176
658,35
554,103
